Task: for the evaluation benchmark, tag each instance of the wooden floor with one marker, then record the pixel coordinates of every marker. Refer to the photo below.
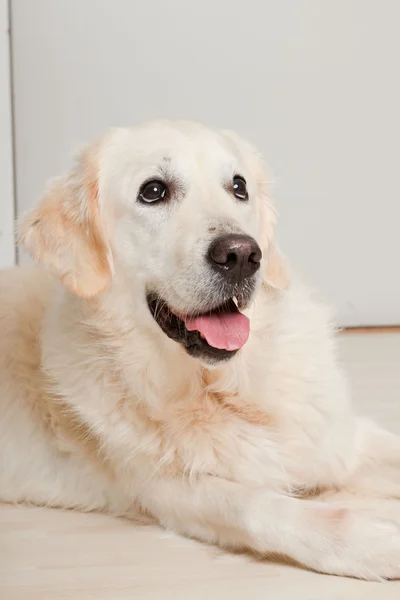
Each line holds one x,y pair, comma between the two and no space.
55,555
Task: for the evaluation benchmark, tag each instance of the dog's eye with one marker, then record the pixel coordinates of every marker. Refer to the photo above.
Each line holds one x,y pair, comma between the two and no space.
153,191
240,188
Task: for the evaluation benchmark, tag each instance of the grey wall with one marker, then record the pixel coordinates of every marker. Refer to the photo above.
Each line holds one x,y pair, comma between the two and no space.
314,83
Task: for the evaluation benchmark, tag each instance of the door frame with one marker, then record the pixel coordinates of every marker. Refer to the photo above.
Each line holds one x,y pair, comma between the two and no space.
7,199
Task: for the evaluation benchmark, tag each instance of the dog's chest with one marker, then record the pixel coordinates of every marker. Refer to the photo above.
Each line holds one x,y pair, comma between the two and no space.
220,436
226,437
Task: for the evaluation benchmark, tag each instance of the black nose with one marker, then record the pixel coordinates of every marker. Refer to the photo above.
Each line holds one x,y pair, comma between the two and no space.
235,256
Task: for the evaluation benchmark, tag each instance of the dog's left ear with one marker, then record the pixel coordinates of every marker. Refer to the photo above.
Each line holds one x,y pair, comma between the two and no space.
65,231
275,271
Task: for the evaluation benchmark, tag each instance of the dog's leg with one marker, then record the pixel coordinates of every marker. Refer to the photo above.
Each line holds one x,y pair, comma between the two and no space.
324,537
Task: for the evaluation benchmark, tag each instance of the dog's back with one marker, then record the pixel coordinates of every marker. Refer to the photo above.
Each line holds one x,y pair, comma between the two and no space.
36,463
24,294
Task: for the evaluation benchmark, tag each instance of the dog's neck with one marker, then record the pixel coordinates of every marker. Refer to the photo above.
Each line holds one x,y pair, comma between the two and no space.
119,336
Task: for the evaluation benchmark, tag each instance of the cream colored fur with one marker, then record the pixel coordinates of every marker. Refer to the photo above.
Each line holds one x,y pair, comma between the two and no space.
99,410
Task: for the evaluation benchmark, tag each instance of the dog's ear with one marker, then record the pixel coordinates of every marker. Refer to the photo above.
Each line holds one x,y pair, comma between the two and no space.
275,271
65,232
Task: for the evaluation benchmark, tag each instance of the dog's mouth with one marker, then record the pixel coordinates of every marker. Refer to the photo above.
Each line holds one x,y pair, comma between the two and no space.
216,334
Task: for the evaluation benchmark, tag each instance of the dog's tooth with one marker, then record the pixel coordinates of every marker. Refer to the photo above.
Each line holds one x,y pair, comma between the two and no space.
203,337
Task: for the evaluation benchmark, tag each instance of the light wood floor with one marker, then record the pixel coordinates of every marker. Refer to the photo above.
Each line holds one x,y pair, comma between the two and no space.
55,555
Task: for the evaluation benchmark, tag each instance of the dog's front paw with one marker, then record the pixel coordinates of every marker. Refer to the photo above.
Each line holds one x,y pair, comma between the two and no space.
366,547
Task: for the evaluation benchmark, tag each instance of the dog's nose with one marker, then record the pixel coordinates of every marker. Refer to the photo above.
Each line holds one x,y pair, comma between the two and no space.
235,256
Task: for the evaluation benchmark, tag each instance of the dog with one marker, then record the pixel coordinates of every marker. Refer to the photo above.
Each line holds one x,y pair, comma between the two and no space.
160,362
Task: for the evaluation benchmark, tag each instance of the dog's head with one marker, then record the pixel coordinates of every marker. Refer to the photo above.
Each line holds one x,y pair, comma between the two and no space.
182,214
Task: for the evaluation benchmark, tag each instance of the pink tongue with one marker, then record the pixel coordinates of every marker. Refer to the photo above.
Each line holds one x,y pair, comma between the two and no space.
226,331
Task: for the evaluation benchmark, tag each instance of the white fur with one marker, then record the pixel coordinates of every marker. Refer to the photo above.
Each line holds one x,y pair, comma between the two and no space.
99,410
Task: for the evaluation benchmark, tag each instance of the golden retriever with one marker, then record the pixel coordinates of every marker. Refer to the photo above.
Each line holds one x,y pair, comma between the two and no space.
161,362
